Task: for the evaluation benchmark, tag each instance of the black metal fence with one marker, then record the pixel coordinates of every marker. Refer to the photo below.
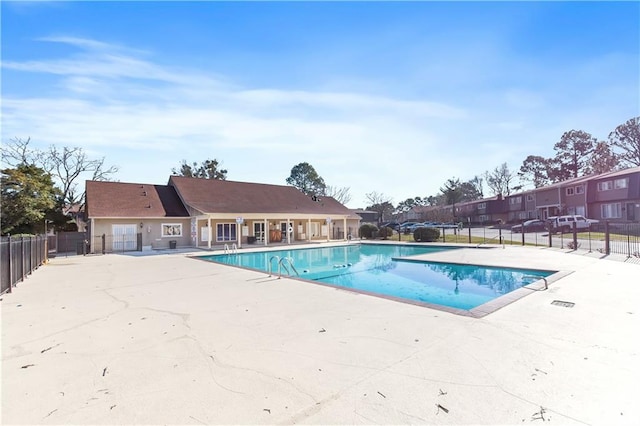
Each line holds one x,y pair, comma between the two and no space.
604,237
19,257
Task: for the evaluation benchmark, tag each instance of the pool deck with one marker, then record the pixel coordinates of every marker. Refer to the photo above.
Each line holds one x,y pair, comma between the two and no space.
166,339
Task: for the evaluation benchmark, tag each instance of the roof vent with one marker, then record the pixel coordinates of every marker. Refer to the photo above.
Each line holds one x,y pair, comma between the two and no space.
144,193
149,206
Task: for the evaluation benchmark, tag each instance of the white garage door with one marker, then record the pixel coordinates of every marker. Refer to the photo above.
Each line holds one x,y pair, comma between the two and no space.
124,237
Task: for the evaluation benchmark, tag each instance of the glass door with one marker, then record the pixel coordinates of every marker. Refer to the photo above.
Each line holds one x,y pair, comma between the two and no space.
258,230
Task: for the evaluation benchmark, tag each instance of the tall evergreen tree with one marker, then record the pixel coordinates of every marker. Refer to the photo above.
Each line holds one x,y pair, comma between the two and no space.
27,193
626,139
304,177
573,152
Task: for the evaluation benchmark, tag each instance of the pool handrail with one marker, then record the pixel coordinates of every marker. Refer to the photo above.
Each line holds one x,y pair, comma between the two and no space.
281,265
277,258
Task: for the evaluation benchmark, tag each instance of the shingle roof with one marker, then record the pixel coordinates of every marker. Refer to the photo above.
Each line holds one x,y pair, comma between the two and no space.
224,196
618,173
117,199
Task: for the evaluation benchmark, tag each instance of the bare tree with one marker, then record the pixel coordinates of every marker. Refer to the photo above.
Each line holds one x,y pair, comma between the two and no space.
66,165
380,203
17,152
342,195
500,180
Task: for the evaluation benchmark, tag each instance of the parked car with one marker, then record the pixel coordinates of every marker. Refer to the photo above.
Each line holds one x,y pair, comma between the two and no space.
415,226
392,225
406,225
534,225
565,223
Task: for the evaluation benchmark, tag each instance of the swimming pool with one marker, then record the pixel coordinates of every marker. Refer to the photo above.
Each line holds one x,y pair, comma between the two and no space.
382,269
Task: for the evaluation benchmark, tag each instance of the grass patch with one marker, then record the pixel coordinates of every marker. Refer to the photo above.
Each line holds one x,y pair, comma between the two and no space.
464,239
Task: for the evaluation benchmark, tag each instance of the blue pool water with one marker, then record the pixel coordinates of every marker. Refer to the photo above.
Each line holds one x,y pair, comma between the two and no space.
378,269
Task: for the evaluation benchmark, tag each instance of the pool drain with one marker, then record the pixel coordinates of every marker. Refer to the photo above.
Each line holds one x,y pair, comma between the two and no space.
563,304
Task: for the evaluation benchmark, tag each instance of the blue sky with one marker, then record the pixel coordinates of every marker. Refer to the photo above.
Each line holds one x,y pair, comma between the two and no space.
378,96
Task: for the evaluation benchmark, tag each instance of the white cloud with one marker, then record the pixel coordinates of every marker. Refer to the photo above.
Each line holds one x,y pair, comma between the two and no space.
117,102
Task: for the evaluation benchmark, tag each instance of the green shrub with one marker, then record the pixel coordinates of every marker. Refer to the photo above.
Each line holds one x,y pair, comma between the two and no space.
368,231
385,232
426,235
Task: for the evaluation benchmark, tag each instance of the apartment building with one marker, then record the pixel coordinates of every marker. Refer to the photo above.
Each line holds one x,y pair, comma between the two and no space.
611,196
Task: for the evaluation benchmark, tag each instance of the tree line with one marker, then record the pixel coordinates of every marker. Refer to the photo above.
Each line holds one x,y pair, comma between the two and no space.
577,153
41,185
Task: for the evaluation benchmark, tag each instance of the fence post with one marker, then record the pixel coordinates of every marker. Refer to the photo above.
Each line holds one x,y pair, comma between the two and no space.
628,241
10,267
469,233
607,246
575,235
500,233
522,229
22,274
103,242
549,234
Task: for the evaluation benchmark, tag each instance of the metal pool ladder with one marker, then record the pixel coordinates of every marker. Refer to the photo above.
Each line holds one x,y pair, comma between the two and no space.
539,277
234,249
283,263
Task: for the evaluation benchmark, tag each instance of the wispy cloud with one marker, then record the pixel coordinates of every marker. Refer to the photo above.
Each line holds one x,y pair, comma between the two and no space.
146,117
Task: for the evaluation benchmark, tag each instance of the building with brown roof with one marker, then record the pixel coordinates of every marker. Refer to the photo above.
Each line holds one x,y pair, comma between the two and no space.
191,212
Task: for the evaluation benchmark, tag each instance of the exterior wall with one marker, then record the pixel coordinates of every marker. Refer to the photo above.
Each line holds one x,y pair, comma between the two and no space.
151,230
515,207
617,204
548,202
251,230
575,199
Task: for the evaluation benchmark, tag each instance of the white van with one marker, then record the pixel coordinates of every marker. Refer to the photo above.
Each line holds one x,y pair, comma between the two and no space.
565,223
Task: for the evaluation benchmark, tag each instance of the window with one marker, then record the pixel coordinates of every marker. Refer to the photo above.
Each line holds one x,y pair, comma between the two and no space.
482,206
605,186
226,232
620,183
515,200
579,189
172,230
483,218
529,197
569,191
611,211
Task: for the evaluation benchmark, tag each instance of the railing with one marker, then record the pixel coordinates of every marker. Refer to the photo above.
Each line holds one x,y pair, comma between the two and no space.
20,256
232,250
282,264
604,237
277,259
485,241
537,278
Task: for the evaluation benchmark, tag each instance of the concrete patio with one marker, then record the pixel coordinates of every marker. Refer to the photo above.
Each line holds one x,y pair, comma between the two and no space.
167,339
